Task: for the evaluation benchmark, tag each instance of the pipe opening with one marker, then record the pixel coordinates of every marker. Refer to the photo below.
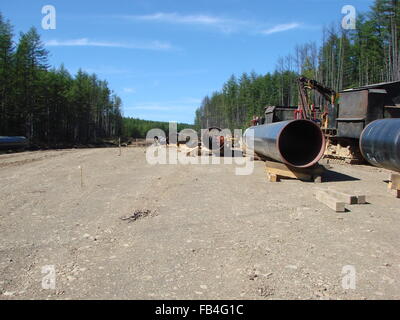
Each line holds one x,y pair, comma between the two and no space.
301,143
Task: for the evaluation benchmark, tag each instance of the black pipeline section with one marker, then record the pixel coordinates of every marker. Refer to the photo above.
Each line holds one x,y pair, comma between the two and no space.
13,142
297,143
380,144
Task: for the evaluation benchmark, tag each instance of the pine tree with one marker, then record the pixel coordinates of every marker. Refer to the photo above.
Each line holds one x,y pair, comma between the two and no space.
7,112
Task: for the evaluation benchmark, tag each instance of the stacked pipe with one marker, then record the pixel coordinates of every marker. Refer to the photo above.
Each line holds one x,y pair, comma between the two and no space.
380,144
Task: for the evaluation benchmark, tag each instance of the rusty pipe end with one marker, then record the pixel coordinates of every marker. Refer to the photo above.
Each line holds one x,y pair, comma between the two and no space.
301,144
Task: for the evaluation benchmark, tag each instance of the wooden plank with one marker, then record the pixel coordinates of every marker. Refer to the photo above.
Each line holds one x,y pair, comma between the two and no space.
317,179
341,196
330,201
361,199
316,170
395,193
289,174
275,165
347,198
304,174
273,178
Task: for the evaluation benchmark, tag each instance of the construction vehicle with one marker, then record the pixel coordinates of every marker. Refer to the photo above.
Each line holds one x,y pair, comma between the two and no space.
338,149
342,116
307,110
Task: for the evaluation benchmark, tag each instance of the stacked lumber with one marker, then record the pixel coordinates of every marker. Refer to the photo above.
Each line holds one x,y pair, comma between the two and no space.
337,200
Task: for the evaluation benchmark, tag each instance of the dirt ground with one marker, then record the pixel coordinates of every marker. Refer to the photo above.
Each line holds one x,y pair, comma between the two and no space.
208,234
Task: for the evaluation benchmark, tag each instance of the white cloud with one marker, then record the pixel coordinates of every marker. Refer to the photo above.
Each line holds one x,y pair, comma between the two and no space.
177,18
281,28
223,24
85,42
129,90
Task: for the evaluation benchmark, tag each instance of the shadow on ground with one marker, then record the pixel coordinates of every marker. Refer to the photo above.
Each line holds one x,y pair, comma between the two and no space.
333,176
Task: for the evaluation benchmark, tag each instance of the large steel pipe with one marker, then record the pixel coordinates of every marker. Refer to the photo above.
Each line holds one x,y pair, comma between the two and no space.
13,142
380,143
297,143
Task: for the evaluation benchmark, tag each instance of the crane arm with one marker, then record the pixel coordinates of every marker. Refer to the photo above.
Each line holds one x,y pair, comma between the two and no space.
328,93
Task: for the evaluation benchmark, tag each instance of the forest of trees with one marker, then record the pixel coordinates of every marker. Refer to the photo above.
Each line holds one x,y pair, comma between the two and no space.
138,128
53,108
49,106
347,58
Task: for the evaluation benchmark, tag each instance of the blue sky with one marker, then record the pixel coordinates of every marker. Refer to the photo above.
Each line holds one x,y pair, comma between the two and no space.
162,57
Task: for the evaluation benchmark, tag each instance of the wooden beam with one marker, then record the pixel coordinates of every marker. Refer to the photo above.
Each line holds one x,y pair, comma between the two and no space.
305,174
361,199
330,201
394,181
318,179
343,197
395,193
289,174
273,178
318,169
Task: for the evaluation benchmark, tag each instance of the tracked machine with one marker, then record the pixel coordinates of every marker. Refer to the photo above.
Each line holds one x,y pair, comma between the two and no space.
341,116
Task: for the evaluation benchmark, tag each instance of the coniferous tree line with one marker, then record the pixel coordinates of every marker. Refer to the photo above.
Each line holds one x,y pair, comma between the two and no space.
47,105
137,128
346,59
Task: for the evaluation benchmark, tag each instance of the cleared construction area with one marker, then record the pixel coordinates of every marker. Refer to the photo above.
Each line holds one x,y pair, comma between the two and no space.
116,227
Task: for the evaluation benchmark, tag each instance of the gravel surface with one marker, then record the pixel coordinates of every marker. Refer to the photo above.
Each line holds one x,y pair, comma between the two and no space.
130,230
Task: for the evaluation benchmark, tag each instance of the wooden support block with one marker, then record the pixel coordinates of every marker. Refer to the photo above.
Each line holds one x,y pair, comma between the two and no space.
318,169
318,179
361,199
346,198
289,174
341,196
273,178
395,193
330,201
395,181
305,174
394,184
